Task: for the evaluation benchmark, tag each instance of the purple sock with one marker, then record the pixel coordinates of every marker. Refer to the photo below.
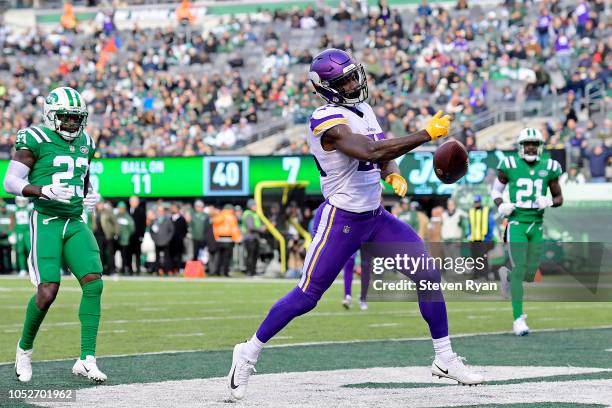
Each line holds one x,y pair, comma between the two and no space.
293,304
348,275
434,313
365,282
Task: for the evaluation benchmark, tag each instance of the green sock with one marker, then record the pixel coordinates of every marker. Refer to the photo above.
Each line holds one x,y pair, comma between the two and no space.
516,289
34,317
89,315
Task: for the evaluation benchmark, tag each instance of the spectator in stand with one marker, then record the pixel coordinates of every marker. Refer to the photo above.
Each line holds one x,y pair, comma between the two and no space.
68,19
126,231
424,10
543,27
598,160
573,176
184,14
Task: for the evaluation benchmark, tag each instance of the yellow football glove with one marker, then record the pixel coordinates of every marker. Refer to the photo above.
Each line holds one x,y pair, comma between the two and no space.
438,126
399,184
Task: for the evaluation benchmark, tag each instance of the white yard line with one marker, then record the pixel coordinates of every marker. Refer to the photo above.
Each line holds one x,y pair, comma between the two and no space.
183,334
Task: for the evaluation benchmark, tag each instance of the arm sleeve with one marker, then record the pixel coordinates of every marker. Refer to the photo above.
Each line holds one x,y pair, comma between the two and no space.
497,191
325,119
16,177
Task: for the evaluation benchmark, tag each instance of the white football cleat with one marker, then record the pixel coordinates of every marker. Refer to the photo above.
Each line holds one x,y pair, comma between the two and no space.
519,326
23,364
347,302
242,369
504,285
88,368
455,370
363,305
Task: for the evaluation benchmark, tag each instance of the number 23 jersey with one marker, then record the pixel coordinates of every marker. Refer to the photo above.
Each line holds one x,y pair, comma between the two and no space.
57,161
526,183
348,183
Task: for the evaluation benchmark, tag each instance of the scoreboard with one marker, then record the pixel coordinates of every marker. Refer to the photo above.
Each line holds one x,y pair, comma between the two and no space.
237,176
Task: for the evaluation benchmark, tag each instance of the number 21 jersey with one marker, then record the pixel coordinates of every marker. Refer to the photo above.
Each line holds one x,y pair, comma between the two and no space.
527,183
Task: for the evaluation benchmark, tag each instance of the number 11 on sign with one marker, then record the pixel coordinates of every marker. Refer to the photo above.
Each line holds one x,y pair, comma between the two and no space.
142,183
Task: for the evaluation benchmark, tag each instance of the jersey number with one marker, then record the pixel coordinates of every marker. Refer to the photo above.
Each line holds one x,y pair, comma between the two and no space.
66,176
525,191
366,165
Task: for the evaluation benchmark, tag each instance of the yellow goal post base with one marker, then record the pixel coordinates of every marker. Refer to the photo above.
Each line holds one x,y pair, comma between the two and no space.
286,186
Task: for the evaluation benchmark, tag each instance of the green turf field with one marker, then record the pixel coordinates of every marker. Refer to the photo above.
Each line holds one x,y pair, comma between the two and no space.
204,319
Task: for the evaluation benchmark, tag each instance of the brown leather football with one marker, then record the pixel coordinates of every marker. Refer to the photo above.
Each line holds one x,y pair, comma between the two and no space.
451,161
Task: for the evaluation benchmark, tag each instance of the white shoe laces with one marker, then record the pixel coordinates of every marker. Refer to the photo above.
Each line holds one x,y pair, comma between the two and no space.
244,372
24,357
457,359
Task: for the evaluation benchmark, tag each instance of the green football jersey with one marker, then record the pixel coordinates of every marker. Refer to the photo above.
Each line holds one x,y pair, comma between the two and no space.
527,183
22,219
57,161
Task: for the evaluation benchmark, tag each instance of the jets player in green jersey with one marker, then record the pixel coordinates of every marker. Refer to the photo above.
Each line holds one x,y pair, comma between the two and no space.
528,176
21,222
51,164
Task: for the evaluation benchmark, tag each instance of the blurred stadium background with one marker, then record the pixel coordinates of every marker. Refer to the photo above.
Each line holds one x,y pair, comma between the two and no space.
193,105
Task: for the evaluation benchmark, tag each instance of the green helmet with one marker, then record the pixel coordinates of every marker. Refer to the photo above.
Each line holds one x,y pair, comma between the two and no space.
530,135
65,112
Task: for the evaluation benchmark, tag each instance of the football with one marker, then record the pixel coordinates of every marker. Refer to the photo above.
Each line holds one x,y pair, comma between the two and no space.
451,161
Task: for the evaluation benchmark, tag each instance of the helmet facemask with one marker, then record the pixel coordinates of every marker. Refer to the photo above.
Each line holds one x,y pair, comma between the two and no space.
531,155
349,89
535,140
68,124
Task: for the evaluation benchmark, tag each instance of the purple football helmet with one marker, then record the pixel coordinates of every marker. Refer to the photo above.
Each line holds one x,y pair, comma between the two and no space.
332,72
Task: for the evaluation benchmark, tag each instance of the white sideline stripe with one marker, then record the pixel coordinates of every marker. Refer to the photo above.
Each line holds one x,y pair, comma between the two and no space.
331,342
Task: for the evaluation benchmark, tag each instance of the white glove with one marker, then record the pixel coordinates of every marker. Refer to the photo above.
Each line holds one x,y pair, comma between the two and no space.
506,209
91,200
57,192
543,202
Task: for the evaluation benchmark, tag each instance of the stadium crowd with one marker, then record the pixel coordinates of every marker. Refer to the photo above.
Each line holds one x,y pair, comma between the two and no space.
150,92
